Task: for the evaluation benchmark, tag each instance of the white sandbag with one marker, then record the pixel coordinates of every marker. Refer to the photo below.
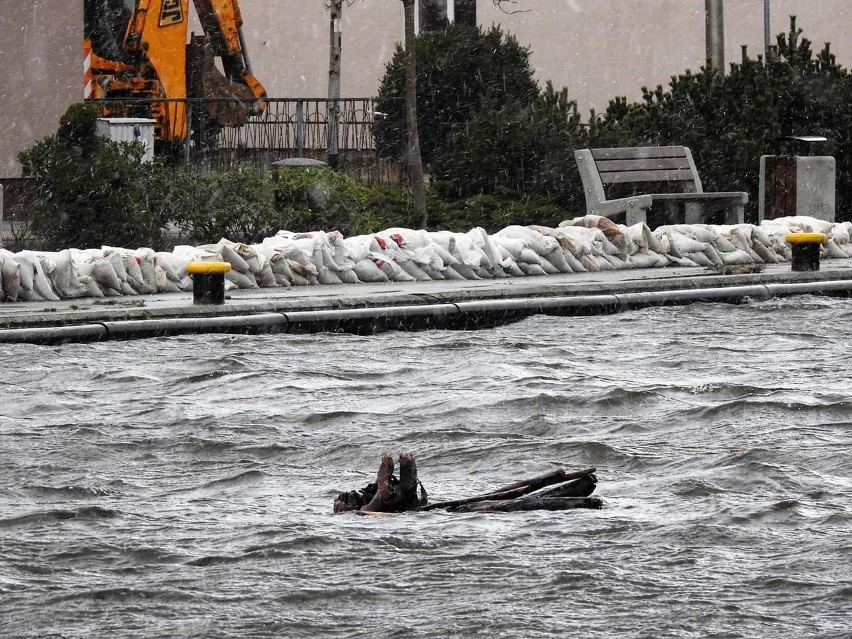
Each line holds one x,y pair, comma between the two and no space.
127,289
232,257
432,272
841,233
41,282
559,260
492,255
250,256
830,248
529,256
281,269
153,275
306,272
737,257
513,270
26,280
101,269
65,277
591,265
174,265
328,276
699,258
9,275
714,255
682,261
531,269
581,241
547,266
646,259
617,262
241,280
90,287
367,271
117,263
410,267
616,241
467,272
766,255
135,278
683,244
264,277
300,280
348,276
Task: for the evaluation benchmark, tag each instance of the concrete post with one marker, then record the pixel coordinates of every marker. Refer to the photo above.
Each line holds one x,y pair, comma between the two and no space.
715,34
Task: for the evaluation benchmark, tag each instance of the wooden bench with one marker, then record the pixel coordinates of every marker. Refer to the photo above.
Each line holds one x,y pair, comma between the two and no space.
656,164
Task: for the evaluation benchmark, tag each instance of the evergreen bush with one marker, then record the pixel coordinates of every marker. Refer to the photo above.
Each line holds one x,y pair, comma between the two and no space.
730,121
455,69
89,191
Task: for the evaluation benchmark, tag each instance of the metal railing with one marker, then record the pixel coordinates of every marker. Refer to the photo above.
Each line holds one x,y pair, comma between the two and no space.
287,128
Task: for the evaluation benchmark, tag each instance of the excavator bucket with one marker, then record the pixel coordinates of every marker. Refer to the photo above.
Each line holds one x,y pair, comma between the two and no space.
226,103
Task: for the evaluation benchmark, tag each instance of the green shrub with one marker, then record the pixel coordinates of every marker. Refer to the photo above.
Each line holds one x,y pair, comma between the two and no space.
515,148
89,191
730,121
497,211
455,68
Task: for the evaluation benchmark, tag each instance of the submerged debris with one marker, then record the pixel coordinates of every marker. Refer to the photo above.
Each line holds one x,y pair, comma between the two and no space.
389,494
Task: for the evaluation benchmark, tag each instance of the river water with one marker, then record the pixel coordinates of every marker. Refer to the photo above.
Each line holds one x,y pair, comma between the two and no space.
183,487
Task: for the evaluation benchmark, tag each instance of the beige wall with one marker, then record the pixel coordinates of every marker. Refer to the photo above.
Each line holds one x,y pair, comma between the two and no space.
598,49
40,72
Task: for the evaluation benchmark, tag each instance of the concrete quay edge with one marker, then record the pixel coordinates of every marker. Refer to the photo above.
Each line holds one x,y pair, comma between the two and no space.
367,308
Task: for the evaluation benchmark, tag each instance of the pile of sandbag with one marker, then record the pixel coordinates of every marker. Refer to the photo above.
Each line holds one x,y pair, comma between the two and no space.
584,244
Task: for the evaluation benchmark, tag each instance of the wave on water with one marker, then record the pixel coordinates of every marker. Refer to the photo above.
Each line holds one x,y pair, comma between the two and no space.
86,513
184,486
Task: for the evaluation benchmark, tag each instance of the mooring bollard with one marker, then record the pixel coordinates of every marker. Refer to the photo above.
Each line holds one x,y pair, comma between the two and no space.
208,281
805,250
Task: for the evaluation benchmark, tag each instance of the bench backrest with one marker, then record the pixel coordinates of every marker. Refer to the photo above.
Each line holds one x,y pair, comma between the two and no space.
599,167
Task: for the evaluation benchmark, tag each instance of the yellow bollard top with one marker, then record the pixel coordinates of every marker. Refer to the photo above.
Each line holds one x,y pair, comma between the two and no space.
805,238
208,268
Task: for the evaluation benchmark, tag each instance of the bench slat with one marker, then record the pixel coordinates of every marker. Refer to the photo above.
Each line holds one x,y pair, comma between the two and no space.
650,164
699,197
626,177
639,153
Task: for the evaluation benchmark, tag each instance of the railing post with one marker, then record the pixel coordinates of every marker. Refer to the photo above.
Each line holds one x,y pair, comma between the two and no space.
300,127
187,147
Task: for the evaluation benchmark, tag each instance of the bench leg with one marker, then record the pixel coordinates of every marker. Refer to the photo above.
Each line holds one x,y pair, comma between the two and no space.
635,215
693,213
735,214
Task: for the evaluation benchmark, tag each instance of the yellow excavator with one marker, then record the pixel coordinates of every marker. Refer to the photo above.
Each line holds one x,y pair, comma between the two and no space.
140,62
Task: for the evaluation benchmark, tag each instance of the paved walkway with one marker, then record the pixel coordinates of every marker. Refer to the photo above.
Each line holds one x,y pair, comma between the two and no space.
404,304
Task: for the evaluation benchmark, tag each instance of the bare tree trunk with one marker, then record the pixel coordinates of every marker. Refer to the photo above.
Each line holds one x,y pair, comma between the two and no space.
333,108
415,162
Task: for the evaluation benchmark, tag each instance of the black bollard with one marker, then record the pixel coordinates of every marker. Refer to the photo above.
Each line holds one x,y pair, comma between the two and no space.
208,281
805,247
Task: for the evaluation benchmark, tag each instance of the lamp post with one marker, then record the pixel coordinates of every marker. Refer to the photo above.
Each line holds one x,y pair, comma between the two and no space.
715,34
766,29
333,107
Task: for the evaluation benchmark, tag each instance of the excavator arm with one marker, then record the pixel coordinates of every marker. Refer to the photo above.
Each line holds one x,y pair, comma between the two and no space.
138,49
222,23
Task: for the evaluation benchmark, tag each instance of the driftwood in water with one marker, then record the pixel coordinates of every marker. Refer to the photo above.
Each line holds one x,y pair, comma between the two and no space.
390,494
519,488
529,503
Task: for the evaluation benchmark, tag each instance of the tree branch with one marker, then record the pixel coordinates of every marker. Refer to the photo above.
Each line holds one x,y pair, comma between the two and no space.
502,5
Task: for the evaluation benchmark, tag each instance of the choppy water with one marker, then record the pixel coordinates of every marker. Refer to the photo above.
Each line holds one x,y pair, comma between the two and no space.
182,487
